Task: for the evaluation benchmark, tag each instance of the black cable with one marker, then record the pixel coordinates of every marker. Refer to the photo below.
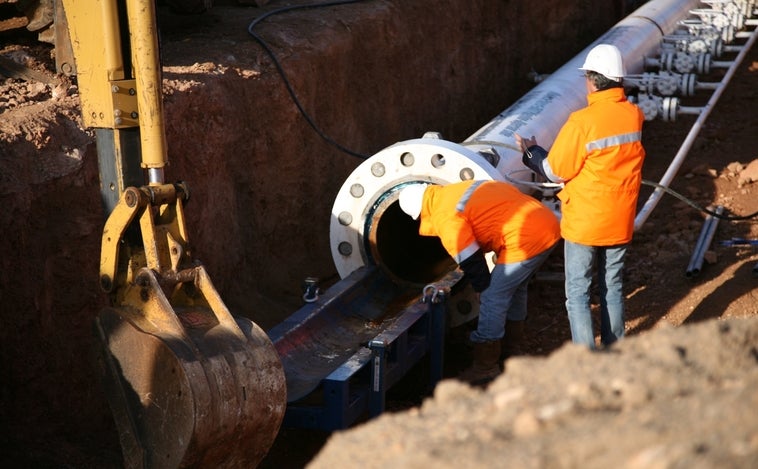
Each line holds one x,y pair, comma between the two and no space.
284,75
695,205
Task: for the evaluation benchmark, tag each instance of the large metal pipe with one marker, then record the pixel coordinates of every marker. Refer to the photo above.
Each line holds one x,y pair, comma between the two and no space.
366,226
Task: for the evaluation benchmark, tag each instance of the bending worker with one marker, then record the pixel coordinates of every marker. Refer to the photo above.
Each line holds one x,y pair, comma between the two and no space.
472,218
598,155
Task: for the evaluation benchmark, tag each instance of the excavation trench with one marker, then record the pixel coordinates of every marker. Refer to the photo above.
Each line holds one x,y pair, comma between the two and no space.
262,181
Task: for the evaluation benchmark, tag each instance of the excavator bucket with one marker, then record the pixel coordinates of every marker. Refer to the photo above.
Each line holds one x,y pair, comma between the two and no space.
189,386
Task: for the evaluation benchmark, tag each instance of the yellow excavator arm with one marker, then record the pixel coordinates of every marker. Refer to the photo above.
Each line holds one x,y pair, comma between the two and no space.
189,384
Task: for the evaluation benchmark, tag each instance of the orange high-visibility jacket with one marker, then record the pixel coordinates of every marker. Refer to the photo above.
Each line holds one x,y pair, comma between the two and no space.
598,153
491,215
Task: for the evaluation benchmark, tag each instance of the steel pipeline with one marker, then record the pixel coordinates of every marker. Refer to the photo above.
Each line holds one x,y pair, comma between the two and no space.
366,228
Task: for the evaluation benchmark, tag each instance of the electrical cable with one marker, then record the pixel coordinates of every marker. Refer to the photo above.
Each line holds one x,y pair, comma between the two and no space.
286,81
695,205
554,186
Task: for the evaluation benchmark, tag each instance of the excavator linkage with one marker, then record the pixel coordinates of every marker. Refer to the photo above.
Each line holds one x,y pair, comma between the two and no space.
189,384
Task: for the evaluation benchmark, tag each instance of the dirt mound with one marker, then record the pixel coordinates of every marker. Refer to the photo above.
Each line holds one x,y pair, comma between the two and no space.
675,397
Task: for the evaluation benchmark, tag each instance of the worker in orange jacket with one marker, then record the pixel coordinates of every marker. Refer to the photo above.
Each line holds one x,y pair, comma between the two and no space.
598,155
472,218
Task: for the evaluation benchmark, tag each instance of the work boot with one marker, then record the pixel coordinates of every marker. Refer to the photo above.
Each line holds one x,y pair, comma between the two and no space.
512,339
485,365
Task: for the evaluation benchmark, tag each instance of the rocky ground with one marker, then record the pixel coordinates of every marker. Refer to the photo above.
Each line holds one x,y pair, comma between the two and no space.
670,398
679,392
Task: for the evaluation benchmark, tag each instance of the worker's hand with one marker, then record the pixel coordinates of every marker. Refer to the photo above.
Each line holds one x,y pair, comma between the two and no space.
525,143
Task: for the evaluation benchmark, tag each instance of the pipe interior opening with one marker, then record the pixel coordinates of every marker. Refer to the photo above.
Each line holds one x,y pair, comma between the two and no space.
398,248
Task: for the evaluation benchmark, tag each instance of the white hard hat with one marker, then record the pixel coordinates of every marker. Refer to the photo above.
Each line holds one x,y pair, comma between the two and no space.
411,198
605,59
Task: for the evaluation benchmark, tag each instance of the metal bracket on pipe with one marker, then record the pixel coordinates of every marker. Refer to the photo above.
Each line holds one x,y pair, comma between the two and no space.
334,390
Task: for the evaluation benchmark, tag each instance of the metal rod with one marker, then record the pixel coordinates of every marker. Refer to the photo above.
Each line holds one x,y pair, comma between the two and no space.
147,70
697,253
703,242
690,110
740,242
676,163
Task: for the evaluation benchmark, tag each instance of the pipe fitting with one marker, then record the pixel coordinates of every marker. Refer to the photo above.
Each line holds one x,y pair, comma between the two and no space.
311,290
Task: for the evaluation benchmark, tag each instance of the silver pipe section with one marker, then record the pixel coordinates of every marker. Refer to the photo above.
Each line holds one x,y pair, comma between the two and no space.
676,163
155,175
689,110
703,241
734,49
710,86
368,228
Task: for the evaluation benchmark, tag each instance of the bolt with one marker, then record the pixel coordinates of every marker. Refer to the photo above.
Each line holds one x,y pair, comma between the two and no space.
143,281
67,69
345,248
130,198
378,169
105,283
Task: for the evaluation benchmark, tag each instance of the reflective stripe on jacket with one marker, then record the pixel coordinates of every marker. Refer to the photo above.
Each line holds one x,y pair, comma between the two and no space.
491,215
598,153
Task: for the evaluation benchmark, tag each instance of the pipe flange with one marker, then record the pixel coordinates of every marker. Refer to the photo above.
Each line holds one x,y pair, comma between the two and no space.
375,183
667,83
697,46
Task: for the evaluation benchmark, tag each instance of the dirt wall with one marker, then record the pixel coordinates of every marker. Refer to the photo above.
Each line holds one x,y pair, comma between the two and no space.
263,181
369,75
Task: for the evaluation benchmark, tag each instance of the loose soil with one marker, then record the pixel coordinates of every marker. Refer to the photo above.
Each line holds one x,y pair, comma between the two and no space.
678,392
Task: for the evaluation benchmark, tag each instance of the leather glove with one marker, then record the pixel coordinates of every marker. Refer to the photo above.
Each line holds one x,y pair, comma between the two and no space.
475,268
533,158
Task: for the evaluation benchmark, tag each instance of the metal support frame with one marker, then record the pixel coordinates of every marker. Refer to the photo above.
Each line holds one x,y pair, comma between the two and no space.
357,389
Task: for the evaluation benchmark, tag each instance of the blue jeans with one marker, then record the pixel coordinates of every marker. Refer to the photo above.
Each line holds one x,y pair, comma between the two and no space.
580,260
505,297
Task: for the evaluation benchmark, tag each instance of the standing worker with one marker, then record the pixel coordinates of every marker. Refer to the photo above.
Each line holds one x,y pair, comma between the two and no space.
472,218
598,155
